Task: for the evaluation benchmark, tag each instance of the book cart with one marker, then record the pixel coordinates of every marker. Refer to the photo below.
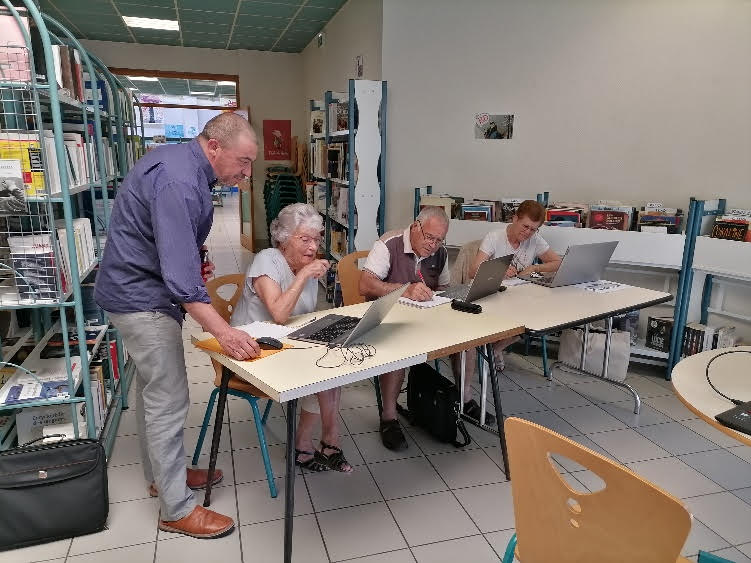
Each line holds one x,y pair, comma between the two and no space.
74,143
660,260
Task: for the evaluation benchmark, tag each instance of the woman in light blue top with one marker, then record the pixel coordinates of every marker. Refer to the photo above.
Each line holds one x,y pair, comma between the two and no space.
280,283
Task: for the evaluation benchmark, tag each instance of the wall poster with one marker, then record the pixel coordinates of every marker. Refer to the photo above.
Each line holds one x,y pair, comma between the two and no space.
277,139
493,126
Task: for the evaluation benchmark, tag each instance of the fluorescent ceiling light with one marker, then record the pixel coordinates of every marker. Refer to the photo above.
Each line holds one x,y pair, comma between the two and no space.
144,78
151,23
225,83
202,93
131,88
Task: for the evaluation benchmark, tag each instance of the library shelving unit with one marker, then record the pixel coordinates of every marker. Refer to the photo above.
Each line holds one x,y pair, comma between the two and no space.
53,242
664,258
354,124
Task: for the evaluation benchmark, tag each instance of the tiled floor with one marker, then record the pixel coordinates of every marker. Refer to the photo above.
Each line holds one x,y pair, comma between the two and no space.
431,503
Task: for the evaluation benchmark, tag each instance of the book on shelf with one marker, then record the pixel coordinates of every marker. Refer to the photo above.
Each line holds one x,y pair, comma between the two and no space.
562,224
15,65
338,116
733,225
611,217
337,161
101,92
7,423
26,148
699,337
495,207
35,267
660,220
66,70
472,212
319,158
317,117
50,381
31,421
12,188
450,204
509,205
659,330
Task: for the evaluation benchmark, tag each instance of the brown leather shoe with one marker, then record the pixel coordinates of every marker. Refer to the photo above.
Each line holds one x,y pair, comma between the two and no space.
201,523
196,480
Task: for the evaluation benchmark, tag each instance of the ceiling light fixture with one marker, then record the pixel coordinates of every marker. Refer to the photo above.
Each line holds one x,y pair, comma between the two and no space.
225,83
131,88
202,93
152,23
144,78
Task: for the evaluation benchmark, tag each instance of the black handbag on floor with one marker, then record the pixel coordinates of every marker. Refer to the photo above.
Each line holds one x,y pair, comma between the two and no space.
433,403
50,492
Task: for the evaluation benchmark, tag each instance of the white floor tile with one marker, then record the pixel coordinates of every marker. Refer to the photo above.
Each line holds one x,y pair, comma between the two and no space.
601,392
722,467
361,396
373,450
520,401
702,538
361,530
134,554
648,386
590,419
745,549
196,412
725,514
466,468
42,552
624,411
410,516
360,420
627,445
406,477
190,439
675,477
249,463
127,450
677,439
591,481
255,504
710,432
499,541
128,425
399,556
332,489
475,548
183,548
732,554
245,435
126,482
490,506
429,445
743,494
550,420
559,397
129,523
671,406
264,542
743,452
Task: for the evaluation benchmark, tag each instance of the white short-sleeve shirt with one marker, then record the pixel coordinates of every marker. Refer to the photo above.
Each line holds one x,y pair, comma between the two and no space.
379,258
271,262
496,244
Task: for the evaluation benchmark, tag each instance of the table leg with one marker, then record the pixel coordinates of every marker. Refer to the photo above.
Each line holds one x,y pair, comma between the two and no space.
226,374
289,483
498,410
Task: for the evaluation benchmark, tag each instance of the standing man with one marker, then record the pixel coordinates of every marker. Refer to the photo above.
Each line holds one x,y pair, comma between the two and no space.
416,256
149,277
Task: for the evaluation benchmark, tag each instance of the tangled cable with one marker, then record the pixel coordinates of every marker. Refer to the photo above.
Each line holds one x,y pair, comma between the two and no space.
354,355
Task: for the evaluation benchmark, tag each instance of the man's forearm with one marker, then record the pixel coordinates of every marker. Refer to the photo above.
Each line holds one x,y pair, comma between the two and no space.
373,287
206,316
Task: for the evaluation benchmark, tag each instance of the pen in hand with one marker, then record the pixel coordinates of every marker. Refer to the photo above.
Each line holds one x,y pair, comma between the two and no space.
419,273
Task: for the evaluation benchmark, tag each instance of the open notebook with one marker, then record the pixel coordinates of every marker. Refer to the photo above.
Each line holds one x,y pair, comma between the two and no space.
437,300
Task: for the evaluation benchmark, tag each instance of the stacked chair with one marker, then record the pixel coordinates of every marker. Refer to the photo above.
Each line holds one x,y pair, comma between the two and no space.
282,187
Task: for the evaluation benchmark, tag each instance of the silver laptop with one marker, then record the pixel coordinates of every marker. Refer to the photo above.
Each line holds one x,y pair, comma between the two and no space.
341,330
581,263
487,280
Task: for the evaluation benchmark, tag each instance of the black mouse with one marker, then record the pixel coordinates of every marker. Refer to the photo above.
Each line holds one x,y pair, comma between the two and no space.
268,343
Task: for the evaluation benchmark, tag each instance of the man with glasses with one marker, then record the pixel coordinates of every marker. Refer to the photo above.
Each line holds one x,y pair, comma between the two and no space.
416,256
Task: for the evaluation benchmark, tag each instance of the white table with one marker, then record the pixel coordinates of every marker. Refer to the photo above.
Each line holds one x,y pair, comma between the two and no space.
731,374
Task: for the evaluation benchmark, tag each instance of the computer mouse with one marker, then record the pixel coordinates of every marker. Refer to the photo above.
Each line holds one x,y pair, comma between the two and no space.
268,343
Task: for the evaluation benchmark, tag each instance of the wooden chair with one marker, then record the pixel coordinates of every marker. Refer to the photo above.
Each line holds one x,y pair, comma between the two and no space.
349,277
237,387
629,520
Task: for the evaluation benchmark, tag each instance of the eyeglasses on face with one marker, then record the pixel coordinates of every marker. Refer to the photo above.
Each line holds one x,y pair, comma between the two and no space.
308,241
430,239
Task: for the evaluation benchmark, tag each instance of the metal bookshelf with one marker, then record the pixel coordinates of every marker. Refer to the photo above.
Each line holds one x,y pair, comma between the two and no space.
31,107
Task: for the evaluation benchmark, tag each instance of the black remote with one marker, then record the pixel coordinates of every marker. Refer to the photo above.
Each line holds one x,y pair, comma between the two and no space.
465,307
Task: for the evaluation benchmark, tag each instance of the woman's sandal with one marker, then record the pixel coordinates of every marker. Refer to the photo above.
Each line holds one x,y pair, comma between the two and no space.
315,464
336,460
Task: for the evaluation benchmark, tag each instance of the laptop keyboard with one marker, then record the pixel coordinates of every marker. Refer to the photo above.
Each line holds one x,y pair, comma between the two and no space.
335,329
456,292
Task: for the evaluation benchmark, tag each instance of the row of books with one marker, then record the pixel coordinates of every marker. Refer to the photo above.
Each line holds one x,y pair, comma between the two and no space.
733,225
650,218
475,210
337,161
318,158
338,240
7,429
696,337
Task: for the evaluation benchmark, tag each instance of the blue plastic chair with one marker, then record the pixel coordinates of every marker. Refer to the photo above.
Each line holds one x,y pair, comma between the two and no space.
237,387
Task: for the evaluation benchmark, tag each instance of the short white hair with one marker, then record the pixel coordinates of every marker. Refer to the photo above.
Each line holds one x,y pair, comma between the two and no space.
291,218
433,212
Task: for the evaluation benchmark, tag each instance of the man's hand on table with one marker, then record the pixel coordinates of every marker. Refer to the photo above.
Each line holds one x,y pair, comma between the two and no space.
238,344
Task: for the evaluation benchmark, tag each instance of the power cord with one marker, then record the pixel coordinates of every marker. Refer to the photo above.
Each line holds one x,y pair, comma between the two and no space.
354,354
709,363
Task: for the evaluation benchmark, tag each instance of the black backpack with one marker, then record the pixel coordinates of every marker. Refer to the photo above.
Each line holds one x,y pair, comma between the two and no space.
433,403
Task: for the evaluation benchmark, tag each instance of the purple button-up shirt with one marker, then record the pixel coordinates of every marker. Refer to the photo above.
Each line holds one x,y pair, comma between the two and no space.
161,217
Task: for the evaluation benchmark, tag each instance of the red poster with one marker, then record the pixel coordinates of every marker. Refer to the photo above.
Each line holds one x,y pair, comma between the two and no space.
277,139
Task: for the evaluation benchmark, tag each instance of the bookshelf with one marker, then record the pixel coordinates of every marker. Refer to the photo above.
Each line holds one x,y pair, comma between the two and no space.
77,124
348,164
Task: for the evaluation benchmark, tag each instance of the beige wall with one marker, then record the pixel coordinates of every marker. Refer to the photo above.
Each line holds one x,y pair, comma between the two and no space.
271,83
614,99
354,30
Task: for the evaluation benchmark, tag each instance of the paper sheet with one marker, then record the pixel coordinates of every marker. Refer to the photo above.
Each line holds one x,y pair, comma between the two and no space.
437,300
511,282
602,286
260,328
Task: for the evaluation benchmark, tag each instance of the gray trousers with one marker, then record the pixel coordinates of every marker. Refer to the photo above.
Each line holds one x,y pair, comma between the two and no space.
154,341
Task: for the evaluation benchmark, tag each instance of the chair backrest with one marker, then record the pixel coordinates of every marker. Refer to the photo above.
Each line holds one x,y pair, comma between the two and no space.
349,277
629,520
460,269
225,306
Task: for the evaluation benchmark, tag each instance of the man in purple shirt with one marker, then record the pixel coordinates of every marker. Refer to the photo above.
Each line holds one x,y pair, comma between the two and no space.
149,276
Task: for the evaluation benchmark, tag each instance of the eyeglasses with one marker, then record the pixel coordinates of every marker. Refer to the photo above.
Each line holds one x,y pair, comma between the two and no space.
308,241
528,229
430,239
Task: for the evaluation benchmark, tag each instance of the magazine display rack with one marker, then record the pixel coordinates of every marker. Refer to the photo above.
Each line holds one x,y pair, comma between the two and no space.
348,160
67,136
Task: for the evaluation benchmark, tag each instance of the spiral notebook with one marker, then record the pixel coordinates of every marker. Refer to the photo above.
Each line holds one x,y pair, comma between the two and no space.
437,300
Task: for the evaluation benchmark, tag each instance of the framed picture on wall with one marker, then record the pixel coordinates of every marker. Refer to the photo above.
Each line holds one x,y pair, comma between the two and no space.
277,139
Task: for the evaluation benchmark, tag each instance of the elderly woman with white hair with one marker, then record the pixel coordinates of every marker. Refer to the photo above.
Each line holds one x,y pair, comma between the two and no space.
281,282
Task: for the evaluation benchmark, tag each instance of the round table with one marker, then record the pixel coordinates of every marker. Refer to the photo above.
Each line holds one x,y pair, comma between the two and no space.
731,374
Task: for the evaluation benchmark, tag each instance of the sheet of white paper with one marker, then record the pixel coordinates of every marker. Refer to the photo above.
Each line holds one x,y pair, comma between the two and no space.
437,300
602,286
511,282
260,328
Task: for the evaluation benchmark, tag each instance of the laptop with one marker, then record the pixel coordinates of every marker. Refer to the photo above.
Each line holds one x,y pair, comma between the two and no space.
581,263
341,330
487,280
